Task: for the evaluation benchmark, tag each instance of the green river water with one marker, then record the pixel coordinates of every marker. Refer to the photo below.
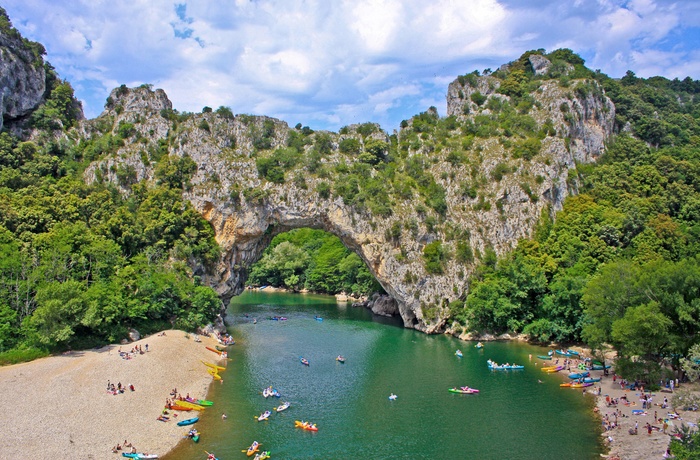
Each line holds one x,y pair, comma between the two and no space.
513,416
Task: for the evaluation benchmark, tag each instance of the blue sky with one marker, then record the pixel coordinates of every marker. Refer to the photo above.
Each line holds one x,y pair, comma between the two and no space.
330,63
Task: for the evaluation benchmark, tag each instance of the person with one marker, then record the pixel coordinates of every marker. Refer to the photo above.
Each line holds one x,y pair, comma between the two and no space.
146,347
131,387
223,416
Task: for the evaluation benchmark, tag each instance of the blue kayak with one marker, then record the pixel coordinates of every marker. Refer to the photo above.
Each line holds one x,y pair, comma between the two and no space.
579,375
189,421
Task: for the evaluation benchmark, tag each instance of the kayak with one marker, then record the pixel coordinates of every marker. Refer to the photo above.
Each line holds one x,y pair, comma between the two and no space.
464,390
599,367
204,402
548,358
189,421
573,352
567,384
458,353
269,391
501,367
264,416
182,408
133,455
580,385
282,407
564,353
214,350
308,426
188,404
304,361
214,373
340,359
591,379
213,366
552,369
194,435
253,448
479,345
579,375
318,318
262,455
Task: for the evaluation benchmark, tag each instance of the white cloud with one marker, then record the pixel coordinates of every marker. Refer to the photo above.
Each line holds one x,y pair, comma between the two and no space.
336,63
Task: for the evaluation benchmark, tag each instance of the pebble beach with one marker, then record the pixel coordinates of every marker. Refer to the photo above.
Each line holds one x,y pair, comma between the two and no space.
59,406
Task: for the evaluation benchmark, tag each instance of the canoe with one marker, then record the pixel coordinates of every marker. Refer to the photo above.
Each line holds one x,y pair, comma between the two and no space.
253,448
189,421
599,367
304,361
282,407
464,390
579,375
305,425
213,366
563,353
214,373
177,407
591,379
479,345
214,350
340,359
553,369
262,455
547,358
572,352
567,384
318,318
264,416
134,455
580,385
458,353
188,404
269,391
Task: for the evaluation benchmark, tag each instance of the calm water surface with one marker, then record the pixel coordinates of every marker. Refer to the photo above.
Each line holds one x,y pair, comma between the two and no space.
513,417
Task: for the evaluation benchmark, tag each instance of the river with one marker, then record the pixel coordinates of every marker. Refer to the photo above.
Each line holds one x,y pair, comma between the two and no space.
512,417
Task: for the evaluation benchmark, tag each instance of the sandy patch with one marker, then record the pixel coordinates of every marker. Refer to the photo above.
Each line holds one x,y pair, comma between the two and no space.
58,407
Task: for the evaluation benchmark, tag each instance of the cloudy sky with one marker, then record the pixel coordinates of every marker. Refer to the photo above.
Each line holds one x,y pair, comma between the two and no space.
329,63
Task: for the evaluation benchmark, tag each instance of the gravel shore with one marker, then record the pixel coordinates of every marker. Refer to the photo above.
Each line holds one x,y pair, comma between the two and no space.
59,407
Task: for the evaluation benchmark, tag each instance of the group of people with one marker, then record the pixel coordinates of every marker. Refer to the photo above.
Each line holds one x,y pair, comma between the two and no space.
118,388
225,339
124,446
136,349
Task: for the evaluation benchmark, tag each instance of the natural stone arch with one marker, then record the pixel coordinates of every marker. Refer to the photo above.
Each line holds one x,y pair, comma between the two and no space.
249,239
246,210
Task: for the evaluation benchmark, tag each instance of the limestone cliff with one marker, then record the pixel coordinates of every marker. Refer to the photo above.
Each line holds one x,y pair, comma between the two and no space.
22,78
463,186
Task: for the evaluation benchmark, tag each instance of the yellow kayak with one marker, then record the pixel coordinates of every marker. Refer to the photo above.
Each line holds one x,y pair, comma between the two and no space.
189,404
214,374
213,366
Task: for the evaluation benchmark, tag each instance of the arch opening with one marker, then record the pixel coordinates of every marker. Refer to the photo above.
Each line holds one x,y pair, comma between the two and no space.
307,259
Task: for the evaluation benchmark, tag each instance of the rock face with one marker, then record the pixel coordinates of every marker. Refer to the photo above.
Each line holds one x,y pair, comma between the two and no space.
247,211
22,79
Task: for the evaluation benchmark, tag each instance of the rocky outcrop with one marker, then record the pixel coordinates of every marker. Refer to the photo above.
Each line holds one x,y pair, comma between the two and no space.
247,210
540,64
22,79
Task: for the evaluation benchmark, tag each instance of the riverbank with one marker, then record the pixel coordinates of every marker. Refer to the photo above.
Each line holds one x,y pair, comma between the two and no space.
640,446
59,407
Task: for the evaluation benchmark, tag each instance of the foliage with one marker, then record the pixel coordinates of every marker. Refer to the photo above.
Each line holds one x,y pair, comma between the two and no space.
313,260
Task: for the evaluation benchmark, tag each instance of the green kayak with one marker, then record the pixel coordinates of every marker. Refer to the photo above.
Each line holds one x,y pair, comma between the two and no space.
204,402
548,358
